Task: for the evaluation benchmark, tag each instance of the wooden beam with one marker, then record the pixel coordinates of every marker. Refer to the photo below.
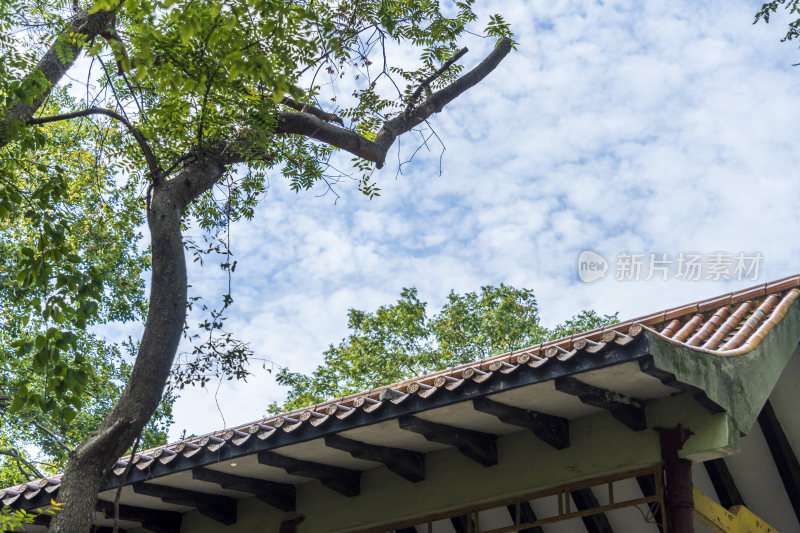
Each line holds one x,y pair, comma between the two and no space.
478,446
219,508
648,486
462,524
554,430
629,411
526,515
157,520
720,520
404,463
44,520
727,492
342,480
279,495
595,523
782,454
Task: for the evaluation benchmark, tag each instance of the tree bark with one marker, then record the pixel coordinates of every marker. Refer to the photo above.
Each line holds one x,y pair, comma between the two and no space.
91,461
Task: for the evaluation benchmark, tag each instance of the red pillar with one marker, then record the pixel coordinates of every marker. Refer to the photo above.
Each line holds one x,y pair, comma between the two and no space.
290,526
679,499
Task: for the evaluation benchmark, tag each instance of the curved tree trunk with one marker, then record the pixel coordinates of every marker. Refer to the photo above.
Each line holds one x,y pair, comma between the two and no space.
90,463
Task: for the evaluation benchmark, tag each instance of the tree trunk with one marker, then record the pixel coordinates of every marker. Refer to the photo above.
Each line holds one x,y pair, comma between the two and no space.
90,463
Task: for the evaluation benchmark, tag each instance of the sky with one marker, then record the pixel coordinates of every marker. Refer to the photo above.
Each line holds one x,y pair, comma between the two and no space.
621,128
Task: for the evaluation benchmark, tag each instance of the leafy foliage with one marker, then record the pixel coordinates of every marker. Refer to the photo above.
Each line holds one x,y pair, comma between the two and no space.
70,260
791,6
399,341
15,519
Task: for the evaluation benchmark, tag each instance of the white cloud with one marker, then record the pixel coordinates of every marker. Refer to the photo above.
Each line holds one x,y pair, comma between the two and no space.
652,127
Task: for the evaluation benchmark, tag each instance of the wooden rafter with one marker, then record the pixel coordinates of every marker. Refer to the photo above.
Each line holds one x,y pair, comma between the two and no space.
726,489
156,520
478,446
404,463
526,514
647,483
629,411
219,508
553,430
782,454
342,480
279,495
585,500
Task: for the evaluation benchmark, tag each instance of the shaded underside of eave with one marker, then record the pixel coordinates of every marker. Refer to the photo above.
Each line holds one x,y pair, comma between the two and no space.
522,376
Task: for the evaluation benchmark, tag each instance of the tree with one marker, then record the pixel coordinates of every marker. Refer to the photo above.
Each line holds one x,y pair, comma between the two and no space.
102,238
399,341
195,91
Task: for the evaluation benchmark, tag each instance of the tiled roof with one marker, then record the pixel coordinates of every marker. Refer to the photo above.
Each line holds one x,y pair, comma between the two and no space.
726,325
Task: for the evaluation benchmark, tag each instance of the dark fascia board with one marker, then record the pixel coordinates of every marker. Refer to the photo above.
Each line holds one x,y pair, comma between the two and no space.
523,376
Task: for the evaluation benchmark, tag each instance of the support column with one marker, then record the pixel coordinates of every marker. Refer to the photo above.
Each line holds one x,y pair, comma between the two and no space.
290,526
679,498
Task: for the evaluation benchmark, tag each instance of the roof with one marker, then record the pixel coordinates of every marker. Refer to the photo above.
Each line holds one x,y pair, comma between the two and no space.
724,326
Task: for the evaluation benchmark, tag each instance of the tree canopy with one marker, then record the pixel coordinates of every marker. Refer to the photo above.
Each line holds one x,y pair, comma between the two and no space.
399,341
187,109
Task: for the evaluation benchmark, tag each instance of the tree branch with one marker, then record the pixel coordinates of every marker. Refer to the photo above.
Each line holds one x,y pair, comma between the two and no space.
309,125
125,473
16,455
427,81
152,162
51,66
436,102
52,435
319,113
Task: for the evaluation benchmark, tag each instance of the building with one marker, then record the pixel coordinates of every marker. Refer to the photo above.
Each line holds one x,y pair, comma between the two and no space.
681,420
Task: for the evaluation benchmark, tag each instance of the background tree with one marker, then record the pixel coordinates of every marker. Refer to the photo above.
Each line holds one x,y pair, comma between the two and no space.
399,341
193,90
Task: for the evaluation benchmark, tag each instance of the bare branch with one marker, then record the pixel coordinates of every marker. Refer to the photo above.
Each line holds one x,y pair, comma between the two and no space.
436,102
319,113
125,473
52,435
10,452
152,162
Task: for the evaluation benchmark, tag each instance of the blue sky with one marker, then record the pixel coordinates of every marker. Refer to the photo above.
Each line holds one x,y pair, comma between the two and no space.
649,127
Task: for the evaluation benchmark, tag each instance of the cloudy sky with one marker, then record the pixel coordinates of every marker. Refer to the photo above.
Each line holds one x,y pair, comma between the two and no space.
618,127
